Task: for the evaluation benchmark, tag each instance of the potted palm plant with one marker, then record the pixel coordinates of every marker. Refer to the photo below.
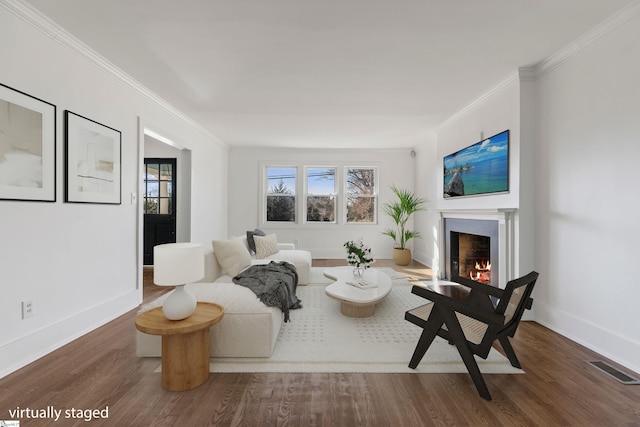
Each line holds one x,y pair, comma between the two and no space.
400,210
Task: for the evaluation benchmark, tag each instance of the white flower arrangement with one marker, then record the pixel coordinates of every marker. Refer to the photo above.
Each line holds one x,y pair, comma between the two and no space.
358,255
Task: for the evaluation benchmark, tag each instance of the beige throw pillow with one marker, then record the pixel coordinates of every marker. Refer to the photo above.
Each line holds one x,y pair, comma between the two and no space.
265,245
232,255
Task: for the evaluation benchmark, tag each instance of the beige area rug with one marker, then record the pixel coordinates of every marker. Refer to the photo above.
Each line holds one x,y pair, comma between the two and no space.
320,339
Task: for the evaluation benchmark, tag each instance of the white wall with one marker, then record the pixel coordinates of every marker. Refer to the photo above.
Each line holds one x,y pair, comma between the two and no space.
425,249
587,191
498,110
79,263
574,148
322,240
503,107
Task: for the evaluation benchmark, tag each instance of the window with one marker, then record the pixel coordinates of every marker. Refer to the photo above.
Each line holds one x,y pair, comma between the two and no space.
361,195
321,194
159,195
331,194
281,194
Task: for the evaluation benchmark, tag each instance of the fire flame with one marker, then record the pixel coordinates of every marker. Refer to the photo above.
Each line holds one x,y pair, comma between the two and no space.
482,273
483,267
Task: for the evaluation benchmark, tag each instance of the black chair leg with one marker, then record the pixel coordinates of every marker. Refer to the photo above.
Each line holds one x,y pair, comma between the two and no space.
474,371
511,354
460,341
426,338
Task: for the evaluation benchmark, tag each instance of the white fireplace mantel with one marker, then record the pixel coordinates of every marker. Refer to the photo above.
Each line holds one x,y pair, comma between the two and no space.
497,214
506,237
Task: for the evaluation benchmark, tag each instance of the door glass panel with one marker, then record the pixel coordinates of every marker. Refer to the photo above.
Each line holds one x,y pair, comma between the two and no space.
164,189
152,189
151,206
159,189
165,207
166,171
152,172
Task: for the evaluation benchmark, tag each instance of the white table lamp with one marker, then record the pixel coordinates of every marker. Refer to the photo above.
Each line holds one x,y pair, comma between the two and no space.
177,264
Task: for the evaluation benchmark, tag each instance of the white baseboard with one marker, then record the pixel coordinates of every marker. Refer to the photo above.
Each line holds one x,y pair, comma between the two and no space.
607,343
31,347
422,258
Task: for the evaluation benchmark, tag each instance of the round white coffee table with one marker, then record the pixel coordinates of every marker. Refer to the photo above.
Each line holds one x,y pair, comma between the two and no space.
355,302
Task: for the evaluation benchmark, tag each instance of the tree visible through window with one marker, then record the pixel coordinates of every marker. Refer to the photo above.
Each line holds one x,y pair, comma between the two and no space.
361,195
281,194
321,195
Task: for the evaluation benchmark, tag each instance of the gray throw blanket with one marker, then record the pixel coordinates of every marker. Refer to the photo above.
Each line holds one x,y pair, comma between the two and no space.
274,283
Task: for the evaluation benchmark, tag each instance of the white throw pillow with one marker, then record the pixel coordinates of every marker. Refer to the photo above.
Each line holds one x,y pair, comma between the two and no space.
232,255
265,245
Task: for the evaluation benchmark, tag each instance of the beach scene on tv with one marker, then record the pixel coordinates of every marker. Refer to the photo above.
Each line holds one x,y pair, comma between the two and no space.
481,168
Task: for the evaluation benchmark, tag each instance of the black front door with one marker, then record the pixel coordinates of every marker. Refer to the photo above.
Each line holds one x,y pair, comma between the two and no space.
159,205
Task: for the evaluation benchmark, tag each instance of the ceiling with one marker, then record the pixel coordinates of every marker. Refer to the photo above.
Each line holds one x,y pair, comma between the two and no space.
324,73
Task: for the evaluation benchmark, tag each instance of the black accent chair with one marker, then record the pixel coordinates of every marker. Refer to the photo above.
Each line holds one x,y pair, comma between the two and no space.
472,322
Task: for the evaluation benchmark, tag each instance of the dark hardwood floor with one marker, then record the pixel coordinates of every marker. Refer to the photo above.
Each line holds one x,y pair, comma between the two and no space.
101,370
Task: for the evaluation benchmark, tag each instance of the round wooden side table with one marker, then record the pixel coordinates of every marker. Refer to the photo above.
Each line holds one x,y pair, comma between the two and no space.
185,344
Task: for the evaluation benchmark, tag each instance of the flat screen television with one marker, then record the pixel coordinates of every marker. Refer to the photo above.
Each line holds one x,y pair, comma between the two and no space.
481,168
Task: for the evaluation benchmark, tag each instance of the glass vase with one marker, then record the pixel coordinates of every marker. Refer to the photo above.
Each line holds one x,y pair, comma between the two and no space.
358,271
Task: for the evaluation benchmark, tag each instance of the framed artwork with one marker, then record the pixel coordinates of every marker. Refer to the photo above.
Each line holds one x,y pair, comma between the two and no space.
92,162
27,147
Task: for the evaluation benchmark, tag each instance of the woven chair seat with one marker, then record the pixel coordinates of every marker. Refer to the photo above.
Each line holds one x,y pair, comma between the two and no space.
473,329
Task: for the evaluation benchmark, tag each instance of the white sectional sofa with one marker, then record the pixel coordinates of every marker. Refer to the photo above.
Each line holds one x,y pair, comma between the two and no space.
249,328
286,252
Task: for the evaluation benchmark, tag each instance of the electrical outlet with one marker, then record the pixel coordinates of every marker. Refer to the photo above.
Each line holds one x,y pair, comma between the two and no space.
134,198
27,308
296,242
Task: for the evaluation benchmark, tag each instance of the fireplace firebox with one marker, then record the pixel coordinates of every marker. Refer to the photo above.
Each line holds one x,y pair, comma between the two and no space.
471,250
471,256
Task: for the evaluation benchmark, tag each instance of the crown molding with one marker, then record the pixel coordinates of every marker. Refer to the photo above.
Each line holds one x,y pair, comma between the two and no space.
520,75
42,23
513,77
526,74
611,24
614,22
